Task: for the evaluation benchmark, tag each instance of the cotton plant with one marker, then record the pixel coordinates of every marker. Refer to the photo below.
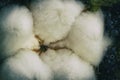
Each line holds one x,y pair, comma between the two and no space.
71,41
94,5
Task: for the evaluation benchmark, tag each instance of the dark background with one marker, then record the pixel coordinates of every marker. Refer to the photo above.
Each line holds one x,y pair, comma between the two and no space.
109,68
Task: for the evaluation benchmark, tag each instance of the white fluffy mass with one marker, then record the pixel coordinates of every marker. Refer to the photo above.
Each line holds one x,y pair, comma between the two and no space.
53,18
25,65
68,66
16,30
73,41
17,60
86,37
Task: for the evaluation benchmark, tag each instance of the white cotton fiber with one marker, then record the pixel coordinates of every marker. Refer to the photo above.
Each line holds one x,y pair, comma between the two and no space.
86,37
67,66
53,18
75,41
16,30
25,65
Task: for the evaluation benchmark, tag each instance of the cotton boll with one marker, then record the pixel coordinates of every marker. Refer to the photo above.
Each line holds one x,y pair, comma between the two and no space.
16,30
86,37
67,66
53,18
25,65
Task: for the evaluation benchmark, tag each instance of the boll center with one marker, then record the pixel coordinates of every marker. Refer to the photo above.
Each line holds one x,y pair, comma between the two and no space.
43,48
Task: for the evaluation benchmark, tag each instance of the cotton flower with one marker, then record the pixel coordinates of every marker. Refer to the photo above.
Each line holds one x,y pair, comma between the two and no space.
53,18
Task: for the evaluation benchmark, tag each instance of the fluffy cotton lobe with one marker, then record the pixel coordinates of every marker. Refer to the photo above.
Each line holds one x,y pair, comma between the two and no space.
53,18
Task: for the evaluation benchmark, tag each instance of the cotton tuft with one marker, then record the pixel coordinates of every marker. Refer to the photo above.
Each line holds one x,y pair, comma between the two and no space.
53,18
16,30
87,39
25,65
18,60
67,65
